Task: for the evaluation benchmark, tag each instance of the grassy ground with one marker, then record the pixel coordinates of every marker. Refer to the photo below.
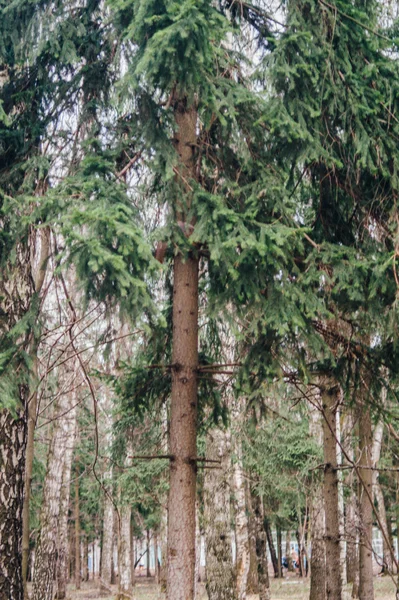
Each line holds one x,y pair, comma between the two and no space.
292,588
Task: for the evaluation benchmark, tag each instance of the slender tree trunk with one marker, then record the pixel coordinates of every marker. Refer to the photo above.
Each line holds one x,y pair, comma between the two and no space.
148,554
241,524
46,551
32,410
342,540
317,520
379,497
330,401
183,411
271,546
124,555
85,563
62,562
220,581
157,569
318,556
108,537
288,552
366,587
132,555
279,551
78,575
261,548
252,581
164,550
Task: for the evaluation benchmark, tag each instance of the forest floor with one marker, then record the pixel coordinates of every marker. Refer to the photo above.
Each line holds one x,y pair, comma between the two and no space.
292,588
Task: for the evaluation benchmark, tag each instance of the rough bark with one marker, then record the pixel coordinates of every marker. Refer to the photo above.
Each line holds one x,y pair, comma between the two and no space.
16,292
46,551
330,401
317,521
366,587
220,581
12,466
261,549
124,554
183,410
241,525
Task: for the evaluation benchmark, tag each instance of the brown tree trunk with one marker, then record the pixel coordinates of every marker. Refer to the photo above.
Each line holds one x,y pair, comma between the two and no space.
330,401
279,551
157,569
261,548
183,410
220,580
271,546
366,587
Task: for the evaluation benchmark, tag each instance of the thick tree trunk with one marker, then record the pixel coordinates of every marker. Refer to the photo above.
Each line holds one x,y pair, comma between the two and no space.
366,587
261,548
317,521
124,555
241,524
183,410
220,581
330,401
46,551
16,292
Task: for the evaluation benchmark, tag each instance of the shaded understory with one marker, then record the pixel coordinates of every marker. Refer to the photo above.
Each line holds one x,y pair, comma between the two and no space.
291,588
